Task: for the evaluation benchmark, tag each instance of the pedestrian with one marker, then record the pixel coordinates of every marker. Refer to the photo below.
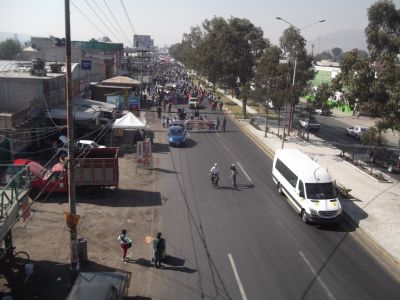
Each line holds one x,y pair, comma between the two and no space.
169,106
125,243
234,173
218,122
159,112
224,124
158,250
220,105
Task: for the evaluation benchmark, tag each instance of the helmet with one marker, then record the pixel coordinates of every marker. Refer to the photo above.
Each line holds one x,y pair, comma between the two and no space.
233,165
215,165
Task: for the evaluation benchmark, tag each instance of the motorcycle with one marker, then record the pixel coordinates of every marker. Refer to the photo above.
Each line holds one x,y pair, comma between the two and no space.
214,179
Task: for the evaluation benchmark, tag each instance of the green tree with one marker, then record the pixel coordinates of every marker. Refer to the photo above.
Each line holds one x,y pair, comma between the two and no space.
337,53
323,56
294,50
356,76
271,79
243,46
9,49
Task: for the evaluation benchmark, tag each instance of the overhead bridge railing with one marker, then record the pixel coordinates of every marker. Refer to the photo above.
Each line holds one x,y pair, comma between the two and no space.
14,184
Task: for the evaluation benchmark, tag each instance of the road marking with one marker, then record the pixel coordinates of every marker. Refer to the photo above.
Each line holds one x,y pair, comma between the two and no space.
244,172
328,292
239,282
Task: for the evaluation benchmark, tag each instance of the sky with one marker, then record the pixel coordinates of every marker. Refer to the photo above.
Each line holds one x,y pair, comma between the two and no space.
167,20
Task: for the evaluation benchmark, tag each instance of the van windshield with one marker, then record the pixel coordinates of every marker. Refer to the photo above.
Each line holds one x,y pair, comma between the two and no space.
320,191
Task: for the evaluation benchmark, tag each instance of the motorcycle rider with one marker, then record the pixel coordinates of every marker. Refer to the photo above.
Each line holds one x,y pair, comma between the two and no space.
214,172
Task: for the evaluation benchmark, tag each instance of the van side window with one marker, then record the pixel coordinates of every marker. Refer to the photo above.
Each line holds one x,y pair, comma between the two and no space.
301,187
286,172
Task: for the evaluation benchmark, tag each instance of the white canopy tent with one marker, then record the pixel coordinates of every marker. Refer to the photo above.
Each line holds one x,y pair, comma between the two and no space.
128,122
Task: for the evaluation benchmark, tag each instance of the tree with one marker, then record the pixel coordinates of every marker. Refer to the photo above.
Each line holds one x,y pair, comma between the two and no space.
337,53
323,56
93,40
271,79
243,46
294,50
356,76
384,45
9,49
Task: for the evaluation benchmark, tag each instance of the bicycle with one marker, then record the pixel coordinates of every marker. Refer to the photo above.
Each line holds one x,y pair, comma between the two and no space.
18,258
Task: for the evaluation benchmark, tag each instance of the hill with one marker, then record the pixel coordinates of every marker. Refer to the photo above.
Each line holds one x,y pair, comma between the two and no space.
346,40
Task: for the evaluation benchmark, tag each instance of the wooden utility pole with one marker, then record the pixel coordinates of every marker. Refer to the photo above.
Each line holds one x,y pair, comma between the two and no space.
71,218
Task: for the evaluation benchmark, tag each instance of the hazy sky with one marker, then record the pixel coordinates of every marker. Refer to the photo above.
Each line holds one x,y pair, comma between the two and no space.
167,20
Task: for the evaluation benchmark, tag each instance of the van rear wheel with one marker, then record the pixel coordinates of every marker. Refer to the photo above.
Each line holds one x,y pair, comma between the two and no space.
304,217
279,188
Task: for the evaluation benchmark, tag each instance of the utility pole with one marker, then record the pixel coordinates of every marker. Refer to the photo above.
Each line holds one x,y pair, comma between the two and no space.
71,218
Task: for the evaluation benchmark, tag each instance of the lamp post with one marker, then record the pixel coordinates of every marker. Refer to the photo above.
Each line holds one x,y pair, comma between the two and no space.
294,74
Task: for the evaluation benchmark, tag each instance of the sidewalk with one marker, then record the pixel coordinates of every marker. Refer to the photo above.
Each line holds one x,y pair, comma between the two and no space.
374,206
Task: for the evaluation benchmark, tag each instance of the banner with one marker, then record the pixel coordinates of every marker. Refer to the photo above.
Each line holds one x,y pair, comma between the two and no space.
144,154
117,100
134,103
201,125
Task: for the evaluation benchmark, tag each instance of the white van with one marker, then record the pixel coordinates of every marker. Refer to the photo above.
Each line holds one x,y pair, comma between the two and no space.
307,186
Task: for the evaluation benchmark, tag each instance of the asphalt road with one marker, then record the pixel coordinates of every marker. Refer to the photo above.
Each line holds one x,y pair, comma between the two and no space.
248,243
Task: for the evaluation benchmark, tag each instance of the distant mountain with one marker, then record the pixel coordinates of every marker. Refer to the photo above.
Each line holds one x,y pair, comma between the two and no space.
346,40
9,35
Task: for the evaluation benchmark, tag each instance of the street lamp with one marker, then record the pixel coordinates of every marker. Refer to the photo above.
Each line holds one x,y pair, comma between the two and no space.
294,74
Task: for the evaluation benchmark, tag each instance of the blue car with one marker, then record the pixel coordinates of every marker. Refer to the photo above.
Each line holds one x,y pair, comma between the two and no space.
176,136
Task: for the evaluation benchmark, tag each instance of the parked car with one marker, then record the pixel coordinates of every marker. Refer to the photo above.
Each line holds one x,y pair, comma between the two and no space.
79,146
356,131
389,159
176,136
310,123
323,111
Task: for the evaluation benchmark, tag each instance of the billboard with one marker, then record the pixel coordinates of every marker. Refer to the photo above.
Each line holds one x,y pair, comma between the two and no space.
142,41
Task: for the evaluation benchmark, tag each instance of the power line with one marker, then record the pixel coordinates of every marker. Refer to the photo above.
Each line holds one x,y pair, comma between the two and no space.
108,20
127,16
119,26
101,20
94,25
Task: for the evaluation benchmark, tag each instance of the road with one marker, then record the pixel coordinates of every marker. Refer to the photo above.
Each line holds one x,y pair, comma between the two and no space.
248,243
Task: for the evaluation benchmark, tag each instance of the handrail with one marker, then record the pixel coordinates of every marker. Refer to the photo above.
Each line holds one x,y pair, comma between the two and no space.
19,182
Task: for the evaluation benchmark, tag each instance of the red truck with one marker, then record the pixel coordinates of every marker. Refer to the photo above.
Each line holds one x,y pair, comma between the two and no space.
97,167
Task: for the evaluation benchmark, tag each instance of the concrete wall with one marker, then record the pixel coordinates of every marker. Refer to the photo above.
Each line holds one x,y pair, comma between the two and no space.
16,93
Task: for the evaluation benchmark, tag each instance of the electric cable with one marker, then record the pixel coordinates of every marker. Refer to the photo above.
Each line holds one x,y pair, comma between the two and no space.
108,20
119,26
97,15
127,16
94,25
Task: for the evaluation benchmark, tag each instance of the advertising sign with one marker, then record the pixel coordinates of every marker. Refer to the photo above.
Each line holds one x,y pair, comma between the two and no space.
86,64
134,103
144,154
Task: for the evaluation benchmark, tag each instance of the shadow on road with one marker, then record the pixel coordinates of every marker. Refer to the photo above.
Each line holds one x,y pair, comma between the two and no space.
164,171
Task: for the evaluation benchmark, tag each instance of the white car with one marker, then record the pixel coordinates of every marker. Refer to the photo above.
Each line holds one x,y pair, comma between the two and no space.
193,102
356,131
88,144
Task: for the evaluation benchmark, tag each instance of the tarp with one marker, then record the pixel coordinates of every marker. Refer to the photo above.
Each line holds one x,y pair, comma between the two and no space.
129,121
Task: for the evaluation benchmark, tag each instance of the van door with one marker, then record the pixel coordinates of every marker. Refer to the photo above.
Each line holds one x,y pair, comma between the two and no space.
301,193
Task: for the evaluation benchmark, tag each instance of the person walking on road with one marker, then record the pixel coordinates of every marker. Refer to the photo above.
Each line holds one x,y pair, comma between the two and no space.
224,124
158,250
234,173
218,122
125,243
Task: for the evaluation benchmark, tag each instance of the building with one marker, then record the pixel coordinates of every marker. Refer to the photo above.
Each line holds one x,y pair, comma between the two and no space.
27,90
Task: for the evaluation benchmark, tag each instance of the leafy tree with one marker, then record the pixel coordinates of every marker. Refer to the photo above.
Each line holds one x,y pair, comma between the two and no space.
357,76
383,40
271,79
337,53
93,40
293,46
323,56
9,49
243,46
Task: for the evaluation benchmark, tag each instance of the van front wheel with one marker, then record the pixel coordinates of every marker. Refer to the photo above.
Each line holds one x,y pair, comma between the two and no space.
279,188
304,217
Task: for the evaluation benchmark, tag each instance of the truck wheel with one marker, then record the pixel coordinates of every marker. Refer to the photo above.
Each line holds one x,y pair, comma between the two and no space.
304,217
279,188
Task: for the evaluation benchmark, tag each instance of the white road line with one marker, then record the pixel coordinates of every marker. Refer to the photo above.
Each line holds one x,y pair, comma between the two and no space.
241,289
328,292
244,172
